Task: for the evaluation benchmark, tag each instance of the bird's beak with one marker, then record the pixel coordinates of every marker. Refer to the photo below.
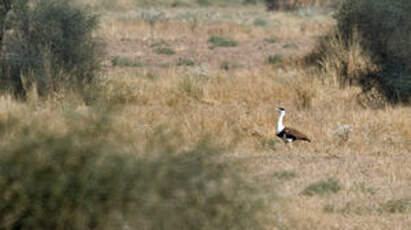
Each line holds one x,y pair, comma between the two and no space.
277,109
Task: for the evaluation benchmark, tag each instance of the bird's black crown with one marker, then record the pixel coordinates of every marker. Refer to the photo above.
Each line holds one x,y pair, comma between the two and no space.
281,109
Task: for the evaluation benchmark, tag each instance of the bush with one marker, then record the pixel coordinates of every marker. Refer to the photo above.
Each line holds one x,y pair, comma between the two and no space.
125,62
274,59
385,29
323,187
47,43
271,40
165,51
204,2
297,4
260,22
376,36
185,62
80,179
219,41
285,175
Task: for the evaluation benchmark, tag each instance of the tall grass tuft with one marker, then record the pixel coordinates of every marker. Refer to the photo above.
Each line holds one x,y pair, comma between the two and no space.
343,62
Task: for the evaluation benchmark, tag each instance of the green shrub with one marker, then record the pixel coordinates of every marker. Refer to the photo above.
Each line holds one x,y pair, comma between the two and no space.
271,40
290,46
219,41
47,43
260,22
322,187
384,29
166,51
125,62
159,44
185,62
285,175
204,2
81,179
179,3
276,58
298,4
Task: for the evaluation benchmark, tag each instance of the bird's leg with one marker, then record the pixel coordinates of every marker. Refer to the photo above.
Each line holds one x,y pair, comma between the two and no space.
287,145
291,145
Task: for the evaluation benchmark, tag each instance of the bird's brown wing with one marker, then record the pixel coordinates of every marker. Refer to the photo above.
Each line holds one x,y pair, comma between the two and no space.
295,133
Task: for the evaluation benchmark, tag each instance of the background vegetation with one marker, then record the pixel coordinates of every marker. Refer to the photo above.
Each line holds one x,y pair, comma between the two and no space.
173,126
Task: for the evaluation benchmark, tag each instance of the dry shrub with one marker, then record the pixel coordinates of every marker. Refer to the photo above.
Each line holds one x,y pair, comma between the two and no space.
192,86
347,64
304,91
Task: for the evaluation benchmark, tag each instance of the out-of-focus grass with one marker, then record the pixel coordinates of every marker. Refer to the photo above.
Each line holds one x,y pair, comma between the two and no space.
90,176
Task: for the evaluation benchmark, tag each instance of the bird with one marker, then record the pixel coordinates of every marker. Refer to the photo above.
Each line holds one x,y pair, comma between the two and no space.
288,134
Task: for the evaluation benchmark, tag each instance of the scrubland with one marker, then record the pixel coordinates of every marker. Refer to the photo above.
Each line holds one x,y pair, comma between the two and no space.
358,163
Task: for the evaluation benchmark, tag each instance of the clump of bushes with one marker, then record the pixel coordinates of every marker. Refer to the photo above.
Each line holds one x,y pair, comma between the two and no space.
81,178
47,43
378,34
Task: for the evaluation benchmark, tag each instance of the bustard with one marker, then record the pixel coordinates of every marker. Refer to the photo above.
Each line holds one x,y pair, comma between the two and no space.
288,134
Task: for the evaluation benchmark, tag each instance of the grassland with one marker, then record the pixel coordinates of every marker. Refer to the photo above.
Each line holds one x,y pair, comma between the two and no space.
365,151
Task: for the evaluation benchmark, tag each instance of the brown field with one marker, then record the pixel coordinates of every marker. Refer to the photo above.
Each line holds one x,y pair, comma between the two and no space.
230,93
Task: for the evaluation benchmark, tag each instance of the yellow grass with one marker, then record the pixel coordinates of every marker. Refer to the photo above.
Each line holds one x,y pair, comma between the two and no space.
371,161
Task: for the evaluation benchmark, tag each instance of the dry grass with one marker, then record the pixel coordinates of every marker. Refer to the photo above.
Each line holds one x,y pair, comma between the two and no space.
367,150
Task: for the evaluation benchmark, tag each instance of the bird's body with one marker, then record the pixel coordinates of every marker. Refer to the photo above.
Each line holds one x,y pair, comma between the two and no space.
288,134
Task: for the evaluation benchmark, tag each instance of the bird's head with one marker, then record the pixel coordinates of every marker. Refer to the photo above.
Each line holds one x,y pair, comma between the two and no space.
280,109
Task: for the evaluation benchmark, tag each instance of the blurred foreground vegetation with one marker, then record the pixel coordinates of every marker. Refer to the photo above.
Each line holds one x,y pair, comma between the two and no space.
83,179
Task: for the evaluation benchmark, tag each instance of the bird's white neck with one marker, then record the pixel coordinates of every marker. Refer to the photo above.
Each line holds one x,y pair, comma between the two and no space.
280,125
